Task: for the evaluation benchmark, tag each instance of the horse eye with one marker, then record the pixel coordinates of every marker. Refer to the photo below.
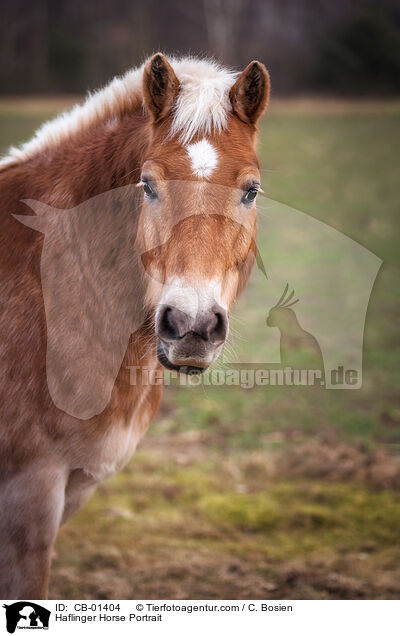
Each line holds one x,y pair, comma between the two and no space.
250,195
148,190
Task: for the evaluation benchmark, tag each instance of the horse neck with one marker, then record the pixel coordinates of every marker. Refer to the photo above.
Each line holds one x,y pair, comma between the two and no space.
67,175
107,156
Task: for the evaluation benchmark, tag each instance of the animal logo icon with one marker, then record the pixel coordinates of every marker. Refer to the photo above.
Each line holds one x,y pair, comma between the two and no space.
26,615
299,349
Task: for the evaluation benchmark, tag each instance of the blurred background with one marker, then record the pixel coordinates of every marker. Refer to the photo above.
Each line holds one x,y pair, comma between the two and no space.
267,492
351,46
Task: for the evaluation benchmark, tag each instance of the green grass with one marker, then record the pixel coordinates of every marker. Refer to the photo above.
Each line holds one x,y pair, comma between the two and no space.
267,492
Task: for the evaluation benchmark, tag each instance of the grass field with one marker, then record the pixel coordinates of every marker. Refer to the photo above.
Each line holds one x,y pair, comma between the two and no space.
268,492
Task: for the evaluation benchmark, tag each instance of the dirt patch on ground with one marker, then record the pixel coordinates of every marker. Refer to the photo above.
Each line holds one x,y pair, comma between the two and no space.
337,461
325,457
203,574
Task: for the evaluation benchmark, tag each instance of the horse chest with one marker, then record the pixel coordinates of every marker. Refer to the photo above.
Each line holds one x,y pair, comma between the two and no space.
114,450
111,449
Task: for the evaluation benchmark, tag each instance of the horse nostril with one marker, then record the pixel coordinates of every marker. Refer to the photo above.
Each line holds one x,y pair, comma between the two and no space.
217,326
171,323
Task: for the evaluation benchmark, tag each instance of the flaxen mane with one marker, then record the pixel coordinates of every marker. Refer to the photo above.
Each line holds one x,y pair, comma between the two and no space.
201,107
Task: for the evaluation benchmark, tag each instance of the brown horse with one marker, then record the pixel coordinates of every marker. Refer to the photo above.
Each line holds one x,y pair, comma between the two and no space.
176,141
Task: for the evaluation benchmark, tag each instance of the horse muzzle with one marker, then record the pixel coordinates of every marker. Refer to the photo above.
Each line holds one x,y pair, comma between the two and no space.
187,343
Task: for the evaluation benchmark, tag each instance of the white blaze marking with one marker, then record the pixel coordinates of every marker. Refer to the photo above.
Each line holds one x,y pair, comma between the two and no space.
203,157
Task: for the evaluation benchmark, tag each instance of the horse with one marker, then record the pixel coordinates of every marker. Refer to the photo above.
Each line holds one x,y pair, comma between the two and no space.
170,151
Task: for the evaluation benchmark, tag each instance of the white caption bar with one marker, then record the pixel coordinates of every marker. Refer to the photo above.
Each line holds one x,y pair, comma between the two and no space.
279,618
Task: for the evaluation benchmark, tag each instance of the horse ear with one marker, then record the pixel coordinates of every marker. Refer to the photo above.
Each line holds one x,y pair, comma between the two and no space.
249,95
160,86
